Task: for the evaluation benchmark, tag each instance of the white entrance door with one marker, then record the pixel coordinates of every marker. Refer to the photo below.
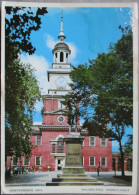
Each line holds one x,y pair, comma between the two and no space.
60,163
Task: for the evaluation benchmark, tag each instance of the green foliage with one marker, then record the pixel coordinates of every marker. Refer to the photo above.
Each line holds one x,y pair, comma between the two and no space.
104,90
128,148
19,24
21,87
22,92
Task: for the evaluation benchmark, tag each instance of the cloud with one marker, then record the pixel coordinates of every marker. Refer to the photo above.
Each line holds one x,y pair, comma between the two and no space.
41,65
50,42
38,106
74,50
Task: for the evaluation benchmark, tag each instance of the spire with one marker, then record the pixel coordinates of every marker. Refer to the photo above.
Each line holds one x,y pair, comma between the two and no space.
62,20
61,34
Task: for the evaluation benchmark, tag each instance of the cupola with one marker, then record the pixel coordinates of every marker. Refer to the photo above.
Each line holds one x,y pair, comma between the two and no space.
61,50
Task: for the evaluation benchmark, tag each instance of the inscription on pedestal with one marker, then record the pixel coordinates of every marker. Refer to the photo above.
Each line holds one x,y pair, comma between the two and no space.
73,162
73,154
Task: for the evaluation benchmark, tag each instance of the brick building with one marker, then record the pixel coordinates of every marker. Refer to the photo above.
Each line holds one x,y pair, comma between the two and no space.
47,137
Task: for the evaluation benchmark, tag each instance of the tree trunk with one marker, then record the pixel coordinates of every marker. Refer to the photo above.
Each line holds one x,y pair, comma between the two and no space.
122,159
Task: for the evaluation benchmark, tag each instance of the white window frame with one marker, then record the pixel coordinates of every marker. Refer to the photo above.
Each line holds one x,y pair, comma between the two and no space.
28,162
105,161
62,117
90,140
36,140
13,161
60,105
90,161
105,142
40,160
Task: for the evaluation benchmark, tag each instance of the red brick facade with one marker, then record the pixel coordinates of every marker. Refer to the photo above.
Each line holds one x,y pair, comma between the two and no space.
50,130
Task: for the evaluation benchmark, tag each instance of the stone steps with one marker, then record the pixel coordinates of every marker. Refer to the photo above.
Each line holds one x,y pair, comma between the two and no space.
74,179
73,175
73,183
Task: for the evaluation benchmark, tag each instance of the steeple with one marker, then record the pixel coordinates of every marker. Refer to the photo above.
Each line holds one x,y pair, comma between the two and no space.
61,34
61,51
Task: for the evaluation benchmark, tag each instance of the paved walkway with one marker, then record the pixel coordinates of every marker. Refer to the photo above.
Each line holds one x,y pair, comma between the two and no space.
40,178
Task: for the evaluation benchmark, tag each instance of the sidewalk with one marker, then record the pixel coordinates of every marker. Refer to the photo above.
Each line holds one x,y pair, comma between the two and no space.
40,178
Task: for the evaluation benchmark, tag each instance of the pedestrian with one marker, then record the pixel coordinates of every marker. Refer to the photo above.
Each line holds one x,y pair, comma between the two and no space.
48,167
14,171
98,169
32,169
39,169
22,170
26,170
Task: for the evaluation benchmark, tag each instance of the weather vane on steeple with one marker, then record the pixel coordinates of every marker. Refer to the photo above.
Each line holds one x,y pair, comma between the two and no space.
61,35
61,14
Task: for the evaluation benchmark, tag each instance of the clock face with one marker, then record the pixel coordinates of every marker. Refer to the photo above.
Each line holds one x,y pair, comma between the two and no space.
61,82
61,119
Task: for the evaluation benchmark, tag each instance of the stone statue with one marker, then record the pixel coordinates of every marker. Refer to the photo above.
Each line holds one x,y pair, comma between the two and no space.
72,117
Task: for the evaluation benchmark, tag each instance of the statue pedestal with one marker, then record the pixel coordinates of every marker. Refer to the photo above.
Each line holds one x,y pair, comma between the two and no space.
73,162
73,172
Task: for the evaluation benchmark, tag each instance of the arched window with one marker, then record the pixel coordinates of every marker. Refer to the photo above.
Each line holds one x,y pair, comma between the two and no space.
56,55
61,56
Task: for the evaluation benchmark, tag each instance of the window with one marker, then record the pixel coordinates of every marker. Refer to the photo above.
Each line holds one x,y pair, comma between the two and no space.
60,105
14,161
38,140
61,56
53,148
56,55
26,161
60,145
92,161
103,161
103,142
38,161
92,141
61,119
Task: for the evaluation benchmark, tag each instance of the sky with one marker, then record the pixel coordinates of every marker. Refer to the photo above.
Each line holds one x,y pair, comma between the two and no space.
88,31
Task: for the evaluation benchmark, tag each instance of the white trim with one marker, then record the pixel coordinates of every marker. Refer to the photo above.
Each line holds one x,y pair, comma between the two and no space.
36,140
24,161
105,142
59,120
35,160
94,161
59,136
105,161
90,141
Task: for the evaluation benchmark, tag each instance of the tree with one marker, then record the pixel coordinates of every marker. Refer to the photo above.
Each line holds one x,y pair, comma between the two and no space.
104,90
128,147
21,87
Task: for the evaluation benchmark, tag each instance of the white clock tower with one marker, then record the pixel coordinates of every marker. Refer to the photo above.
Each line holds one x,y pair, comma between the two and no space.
58,81
58,75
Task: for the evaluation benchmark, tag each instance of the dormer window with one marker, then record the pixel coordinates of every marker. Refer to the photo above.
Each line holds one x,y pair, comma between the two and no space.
61,56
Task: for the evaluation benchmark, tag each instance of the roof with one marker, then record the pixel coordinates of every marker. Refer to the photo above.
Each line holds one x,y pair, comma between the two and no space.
61,45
